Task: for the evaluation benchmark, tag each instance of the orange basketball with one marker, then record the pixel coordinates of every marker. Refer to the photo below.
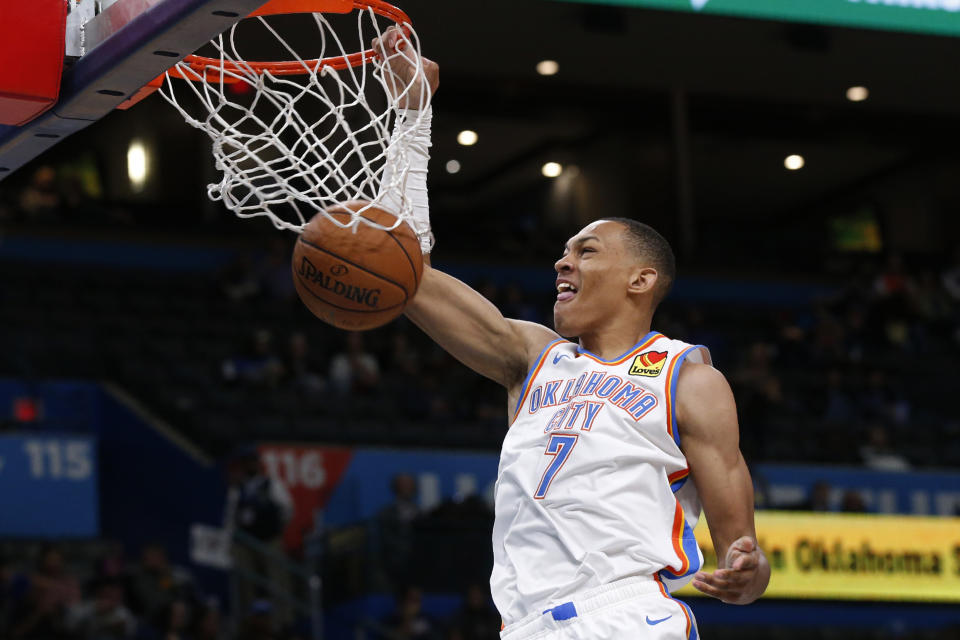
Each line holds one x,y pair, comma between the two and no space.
356,278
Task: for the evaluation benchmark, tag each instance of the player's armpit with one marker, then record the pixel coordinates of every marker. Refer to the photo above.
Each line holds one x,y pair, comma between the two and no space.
472,329
710,439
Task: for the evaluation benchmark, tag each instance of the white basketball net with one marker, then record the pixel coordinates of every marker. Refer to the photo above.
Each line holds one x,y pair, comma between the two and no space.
290,146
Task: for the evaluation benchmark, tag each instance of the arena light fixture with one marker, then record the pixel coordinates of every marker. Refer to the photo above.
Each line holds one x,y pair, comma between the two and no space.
857,94
794,162
467,138
552,169
138,165
548,67
453,166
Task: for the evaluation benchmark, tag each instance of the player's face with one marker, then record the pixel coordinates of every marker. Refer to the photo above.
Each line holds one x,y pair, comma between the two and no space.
592,278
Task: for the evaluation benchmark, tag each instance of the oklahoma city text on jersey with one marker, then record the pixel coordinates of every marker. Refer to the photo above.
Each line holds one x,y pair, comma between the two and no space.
593,484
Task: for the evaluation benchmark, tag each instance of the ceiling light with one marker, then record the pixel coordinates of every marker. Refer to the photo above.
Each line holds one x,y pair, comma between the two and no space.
467,138
453,167
138,164
857,94
552,169
548,67
794,162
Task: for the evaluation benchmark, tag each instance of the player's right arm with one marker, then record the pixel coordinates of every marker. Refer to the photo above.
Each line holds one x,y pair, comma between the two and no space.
463,322
471,329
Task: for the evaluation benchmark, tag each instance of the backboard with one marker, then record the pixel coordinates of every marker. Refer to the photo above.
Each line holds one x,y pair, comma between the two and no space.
113,48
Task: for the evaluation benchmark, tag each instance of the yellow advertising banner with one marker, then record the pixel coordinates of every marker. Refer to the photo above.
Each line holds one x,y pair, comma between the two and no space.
854,557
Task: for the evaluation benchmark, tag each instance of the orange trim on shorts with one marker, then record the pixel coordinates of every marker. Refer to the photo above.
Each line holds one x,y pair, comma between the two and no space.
666,594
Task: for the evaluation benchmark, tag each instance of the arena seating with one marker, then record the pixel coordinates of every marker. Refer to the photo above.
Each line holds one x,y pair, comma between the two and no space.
809,387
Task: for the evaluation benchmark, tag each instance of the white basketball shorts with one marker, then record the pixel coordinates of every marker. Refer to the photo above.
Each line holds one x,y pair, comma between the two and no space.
630,609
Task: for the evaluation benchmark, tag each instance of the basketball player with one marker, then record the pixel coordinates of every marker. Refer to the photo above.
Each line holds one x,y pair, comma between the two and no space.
615,442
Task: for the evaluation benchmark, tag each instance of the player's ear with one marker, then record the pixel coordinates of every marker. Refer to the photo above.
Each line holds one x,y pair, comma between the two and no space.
642,280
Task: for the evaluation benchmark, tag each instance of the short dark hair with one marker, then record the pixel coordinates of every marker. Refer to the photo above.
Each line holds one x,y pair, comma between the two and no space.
650,245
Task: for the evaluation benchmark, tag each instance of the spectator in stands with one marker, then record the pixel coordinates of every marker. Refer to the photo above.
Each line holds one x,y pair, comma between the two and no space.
111,562
155,582
404,359
950,278
408,621
894,289
206,623
477,620
169,623
696,329
828,339
394,525
11,587
756,374
817,500
354,370
517,306
40,200
759,395
41,613
104,617
853,502
258,510
840,409
274,271
238,280
300,368
879,455
893,281
883,401
488,407
855,337
405,378
259,623
933,310
260,366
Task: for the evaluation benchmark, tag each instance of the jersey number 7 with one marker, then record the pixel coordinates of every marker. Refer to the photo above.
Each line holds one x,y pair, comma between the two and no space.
559,446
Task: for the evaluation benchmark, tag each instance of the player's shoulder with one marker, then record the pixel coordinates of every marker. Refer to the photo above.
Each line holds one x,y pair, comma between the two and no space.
535,337
701,377
537,340
702,388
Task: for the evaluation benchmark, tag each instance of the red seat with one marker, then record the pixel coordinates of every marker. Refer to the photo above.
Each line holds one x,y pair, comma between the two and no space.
32,41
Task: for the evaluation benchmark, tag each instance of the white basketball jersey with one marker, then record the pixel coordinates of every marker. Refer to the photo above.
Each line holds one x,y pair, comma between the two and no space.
592,484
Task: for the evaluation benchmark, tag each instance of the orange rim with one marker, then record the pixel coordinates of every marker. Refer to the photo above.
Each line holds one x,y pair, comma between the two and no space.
217,70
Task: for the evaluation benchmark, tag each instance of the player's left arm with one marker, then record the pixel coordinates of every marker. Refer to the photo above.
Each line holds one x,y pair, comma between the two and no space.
710,438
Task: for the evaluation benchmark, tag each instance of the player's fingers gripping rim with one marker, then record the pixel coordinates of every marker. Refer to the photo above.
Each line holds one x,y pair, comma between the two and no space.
384,42
392,41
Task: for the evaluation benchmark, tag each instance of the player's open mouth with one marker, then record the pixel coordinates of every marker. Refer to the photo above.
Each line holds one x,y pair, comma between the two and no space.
565,291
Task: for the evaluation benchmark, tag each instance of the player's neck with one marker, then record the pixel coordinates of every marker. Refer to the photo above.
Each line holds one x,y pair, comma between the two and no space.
615,339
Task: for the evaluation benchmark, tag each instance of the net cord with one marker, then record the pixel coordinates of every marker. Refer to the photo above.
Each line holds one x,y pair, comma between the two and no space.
311,174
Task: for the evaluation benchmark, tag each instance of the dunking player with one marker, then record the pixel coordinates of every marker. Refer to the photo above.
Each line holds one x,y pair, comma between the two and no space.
615,442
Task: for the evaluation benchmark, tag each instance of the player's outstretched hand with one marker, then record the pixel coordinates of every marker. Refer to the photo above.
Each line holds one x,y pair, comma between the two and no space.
743,580
401,68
